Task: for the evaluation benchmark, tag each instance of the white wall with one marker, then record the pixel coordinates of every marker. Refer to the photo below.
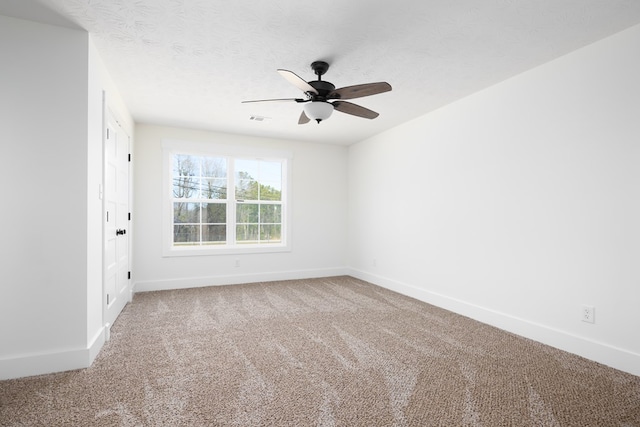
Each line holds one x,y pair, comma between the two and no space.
517,205
43,113
319,198
50,116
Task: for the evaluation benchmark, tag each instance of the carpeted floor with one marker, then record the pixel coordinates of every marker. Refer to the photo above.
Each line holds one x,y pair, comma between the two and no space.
322,352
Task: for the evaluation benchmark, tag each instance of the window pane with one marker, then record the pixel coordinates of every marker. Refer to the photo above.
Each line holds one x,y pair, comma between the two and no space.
270,214
214,213
214,234
185,172
186,212
270,171
270,233
246,189
185,187
185,165
246,169
214,167
247,233
213,188
270,191
186,234
246,179
246,213
270,180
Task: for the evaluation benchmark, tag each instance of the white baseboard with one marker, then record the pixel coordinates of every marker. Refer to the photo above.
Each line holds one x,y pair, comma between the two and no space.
49,362
96,343
606,354
235,279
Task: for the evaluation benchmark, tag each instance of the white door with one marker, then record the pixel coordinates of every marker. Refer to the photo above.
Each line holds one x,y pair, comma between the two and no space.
117,289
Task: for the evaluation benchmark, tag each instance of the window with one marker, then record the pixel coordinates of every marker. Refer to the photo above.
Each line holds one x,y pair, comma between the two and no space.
224,200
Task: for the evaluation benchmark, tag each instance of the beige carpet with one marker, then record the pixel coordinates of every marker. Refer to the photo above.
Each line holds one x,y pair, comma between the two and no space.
321,352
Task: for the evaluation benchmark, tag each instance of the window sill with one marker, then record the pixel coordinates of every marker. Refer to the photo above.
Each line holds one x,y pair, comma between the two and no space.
224,250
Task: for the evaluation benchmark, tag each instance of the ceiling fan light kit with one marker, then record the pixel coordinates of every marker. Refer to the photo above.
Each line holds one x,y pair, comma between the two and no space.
318,110
319,92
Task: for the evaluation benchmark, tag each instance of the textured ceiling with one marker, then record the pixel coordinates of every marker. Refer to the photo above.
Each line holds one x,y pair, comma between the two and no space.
191,62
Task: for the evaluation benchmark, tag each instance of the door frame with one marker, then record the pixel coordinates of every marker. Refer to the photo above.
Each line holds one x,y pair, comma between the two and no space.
110,116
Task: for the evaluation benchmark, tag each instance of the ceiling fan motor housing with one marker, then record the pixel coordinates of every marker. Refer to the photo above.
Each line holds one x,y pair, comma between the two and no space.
324,89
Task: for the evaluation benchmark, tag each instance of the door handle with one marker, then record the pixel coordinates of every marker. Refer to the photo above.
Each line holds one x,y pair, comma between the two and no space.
120,232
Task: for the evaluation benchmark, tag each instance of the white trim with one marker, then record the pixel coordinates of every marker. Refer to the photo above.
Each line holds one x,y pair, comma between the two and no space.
50,362
205,148
606,354
235,279
263,248
96,344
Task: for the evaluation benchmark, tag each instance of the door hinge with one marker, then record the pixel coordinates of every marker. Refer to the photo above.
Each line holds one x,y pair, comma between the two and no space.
129,275
107,299
107,133
129,216
129,156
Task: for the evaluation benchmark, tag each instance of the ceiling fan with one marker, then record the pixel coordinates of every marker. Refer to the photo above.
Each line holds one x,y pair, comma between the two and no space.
322,97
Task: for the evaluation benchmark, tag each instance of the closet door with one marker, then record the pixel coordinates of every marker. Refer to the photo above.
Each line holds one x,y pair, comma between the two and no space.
117,288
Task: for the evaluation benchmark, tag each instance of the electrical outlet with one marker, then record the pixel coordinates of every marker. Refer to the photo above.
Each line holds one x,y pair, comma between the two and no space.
237,263
588,314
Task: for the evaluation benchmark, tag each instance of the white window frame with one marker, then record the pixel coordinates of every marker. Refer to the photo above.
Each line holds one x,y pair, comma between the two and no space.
172,147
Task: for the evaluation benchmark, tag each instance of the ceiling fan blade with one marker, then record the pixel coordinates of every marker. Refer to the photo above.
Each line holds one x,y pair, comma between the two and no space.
303,118
297,81
358,91
276,100
354,109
